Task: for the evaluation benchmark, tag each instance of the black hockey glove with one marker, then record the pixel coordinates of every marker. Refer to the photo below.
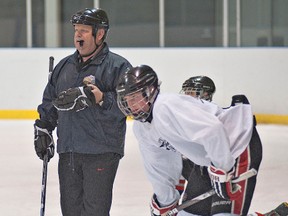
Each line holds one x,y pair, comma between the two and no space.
43,140
75,99
222,183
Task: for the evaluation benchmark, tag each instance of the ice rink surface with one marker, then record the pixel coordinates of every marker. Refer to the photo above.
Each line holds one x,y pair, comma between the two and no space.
21,173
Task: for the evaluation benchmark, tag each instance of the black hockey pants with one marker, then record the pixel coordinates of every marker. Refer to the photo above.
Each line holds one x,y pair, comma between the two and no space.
199,183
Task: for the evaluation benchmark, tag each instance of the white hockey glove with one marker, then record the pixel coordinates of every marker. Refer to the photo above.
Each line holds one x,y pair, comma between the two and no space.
75,99
156,210
221,182
43,140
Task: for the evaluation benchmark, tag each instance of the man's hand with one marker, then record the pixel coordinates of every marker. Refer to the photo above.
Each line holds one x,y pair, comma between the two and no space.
99,96
75,99
222,183
43,140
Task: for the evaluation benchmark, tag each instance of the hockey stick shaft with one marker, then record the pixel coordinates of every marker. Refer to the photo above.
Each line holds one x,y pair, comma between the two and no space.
51,63
45,159
243,176
44,183
250,173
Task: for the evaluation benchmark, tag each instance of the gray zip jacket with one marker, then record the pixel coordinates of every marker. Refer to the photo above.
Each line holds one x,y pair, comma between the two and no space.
96,129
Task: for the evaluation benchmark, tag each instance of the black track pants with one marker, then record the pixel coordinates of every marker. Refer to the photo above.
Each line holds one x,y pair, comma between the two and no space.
86,183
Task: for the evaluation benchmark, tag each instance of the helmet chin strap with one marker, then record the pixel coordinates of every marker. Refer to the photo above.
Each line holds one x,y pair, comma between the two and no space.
91,52
96,47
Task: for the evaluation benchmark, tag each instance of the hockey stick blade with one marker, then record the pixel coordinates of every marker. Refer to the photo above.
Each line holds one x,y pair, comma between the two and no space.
250,173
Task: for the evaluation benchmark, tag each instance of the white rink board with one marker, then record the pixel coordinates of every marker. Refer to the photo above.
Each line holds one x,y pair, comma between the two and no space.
260,73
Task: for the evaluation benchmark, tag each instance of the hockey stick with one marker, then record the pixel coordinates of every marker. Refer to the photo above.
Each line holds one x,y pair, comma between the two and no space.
51,64
243,176
45,159
44,181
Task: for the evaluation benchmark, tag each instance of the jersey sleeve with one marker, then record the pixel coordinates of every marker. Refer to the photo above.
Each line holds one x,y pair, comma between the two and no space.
163,168
238,120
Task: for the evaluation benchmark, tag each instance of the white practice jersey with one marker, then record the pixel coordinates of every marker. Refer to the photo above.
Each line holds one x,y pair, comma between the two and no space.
201,131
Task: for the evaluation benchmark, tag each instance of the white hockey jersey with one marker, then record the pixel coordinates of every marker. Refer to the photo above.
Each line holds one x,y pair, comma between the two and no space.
201,131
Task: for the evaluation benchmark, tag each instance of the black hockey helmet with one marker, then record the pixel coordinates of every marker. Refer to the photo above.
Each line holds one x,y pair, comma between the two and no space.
141,79
95,17
203,86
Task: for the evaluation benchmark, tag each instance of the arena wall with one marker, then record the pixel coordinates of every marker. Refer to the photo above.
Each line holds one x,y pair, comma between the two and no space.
259,73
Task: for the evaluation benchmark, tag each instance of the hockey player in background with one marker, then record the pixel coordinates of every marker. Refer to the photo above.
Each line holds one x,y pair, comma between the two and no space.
204,88
170,125
201,87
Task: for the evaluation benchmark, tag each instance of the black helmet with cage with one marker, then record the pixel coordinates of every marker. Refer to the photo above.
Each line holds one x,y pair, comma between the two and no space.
95,17
203,86
138,87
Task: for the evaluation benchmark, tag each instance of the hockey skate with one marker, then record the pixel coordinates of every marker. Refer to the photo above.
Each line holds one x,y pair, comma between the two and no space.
281,210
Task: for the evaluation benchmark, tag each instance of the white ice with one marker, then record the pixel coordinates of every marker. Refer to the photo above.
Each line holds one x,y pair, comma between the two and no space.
21,173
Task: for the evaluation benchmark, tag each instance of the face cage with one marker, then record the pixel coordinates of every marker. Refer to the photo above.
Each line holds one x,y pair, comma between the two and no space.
141,114
200,93
189,90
